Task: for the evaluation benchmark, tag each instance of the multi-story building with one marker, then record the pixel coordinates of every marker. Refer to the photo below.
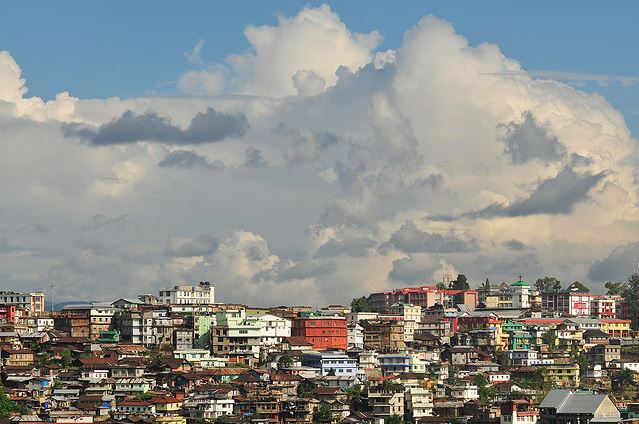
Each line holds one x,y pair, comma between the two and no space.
385,403
571,303
383,335
150,328
32,302
355,336
202,294
412,316
338,364
604,354
419,402
7,314
73,318
616,327
424,296
392,363
562,374
604,307
273,329
236,333
518,412
323,332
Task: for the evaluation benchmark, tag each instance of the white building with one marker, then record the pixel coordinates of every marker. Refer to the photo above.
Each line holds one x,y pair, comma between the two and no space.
419,402
356,317
465,391
521,294
518,412
355,336
206,407
202,294
273,329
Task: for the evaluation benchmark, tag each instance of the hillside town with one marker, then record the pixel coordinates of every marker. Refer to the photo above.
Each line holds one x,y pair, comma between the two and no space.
509,353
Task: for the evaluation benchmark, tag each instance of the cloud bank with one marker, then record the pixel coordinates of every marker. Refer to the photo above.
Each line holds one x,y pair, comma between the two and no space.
300,173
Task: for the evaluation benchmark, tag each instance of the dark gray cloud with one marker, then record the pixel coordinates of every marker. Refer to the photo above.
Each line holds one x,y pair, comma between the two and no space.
325,139
33,229
554,196
306,269
254,158
617,266
205,127
354,247
507,268
514,244
527,140
412,270
99,221
411,239
6,246
188,247
432,181
187,159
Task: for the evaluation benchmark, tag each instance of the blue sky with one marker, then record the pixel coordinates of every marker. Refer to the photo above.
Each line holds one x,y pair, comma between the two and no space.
122,48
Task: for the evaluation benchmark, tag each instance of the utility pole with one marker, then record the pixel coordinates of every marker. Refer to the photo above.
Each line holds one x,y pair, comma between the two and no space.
52,285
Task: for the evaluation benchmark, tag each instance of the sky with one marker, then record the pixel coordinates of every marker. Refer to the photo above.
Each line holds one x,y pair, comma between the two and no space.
313,152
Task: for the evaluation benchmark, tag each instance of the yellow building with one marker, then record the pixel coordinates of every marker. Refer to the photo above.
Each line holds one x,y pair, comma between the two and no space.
562,374
616,327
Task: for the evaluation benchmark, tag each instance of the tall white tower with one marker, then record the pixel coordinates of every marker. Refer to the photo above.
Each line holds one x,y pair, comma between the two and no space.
521,294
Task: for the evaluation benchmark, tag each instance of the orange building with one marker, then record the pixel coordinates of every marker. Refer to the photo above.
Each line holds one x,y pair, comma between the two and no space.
323,332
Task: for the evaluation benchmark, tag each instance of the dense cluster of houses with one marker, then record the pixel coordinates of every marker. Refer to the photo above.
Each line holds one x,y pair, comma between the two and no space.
505,354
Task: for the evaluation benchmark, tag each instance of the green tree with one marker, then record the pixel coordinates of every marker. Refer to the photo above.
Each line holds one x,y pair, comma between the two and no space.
577,287
361,304
626,377
144,396
323,415
582,360
9,408
485,390
441,286
66,357
331,372
615,289
548,285
355,397
461,283
45,359
285,361
631,296
394,419
549,338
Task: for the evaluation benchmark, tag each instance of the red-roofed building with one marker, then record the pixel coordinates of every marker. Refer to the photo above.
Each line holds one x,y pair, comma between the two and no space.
424,296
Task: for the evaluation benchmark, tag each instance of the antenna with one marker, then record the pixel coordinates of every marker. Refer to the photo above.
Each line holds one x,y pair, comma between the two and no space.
52,285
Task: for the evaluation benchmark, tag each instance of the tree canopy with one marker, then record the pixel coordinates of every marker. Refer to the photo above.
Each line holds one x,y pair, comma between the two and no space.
577,287
548,285
631,295
7,407
461,283
285,361
361,304
616,289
